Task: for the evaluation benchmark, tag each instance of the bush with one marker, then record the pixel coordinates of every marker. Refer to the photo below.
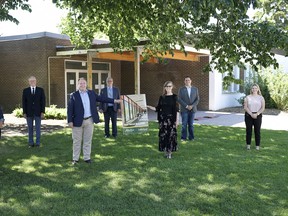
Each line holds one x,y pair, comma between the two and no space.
276,84
55,113
18,112
273,85
50,112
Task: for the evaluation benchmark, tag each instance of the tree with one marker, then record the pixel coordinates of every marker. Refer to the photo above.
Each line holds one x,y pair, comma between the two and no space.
274,11
222,26
7,5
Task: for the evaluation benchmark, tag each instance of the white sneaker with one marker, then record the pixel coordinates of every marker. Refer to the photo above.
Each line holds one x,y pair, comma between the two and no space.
248,147
258,148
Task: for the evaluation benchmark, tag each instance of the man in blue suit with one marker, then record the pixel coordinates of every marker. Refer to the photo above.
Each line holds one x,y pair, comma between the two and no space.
81,114
109,109
188,98
33,104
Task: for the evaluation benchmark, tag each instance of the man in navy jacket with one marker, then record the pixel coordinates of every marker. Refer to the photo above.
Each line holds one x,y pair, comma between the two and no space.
110,110
81,114
33,104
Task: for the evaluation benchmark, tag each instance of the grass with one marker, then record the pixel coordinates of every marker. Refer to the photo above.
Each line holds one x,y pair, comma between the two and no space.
213,175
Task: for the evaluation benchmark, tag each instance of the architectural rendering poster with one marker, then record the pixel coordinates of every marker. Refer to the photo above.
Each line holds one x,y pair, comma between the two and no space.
134,114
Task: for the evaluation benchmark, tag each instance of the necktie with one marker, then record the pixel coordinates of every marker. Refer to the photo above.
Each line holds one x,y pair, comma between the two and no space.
33,91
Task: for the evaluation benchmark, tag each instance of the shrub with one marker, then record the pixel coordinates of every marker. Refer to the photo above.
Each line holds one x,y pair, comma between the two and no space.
18,112
273,85
53,112
50,112
276,84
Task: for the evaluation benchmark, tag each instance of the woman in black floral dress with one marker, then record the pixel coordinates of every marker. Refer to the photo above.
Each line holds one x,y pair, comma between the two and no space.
167,110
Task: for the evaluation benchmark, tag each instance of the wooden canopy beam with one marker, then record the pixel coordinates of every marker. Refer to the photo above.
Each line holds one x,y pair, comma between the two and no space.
129,56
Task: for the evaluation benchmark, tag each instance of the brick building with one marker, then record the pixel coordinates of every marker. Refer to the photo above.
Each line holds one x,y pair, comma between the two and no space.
38,54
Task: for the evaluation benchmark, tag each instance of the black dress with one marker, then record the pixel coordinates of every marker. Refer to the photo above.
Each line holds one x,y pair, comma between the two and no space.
167,109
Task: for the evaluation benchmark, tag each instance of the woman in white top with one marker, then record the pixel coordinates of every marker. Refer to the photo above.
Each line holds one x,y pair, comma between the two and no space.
254,105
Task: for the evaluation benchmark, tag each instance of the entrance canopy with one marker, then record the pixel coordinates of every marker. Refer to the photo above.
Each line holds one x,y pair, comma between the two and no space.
104,51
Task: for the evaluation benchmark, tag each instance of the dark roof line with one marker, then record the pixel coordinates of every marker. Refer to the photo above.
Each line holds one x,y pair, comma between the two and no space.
34,35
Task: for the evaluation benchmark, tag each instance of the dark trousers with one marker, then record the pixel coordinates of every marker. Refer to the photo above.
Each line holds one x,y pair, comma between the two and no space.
110,114
30,123
250,122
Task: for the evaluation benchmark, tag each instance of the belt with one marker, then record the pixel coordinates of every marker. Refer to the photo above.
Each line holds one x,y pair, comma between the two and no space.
87,118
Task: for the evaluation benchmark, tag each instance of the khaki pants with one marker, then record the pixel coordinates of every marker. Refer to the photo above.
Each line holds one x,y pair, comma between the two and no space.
85,133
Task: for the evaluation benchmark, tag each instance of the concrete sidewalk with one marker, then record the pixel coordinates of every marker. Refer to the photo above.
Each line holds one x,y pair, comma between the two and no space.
271,122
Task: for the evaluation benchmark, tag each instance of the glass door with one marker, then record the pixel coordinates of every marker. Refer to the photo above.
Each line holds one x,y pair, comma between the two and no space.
98,81
71,85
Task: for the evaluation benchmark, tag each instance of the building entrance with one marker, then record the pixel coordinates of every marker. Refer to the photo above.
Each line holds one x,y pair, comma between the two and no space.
75,70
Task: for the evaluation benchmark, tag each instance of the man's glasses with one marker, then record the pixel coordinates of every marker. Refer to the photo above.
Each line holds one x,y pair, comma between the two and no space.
168,86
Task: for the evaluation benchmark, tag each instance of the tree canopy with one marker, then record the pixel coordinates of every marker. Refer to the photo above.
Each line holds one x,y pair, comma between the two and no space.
221,26
274,11
6,6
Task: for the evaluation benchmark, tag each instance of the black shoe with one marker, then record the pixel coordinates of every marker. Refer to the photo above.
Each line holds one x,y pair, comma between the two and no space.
74,162
88,161
31,146
37,146
107,136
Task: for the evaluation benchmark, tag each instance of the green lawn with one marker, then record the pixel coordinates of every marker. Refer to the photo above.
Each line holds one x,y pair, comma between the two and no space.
213,175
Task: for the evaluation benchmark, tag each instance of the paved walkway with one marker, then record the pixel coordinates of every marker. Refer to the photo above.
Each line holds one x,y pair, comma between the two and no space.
271,122
11,119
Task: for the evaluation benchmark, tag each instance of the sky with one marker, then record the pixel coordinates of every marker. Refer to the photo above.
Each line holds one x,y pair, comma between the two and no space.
45,16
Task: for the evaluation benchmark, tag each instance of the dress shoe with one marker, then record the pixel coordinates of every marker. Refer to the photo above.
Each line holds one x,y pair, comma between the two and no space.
88,161
30,146
107,136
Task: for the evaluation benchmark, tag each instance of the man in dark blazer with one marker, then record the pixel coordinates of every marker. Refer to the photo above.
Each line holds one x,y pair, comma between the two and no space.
33,104
188,98
110,110
81,114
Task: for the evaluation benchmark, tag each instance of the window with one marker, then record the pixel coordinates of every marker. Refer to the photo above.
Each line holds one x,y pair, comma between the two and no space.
233,87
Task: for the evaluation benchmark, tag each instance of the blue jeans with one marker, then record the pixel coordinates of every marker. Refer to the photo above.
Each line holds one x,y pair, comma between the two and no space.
30,121
187,119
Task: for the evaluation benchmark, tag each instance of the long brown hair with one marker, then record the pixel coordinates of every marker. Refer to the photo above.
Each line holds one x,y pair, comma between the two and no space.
165,84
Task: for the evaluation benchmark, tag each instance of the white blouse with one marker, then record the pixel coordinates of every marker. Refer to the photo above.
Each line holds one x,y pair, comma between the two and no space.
254,103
